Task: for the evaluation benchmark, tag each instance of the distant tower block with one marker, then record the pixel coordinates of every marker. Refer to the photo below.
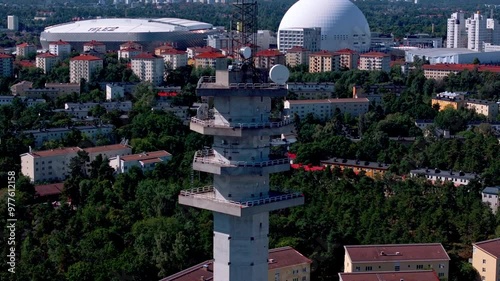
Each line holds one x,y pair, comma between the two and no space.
12,23
240,161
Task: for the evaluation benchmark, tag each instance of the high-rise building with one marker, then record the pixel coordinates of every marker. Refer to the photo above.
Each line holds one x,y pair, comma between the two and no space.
12,23
309,38
25,49
374,61
323,61
478,34
149,67
240,160
83,67
456,32
297,56
60,48
46,61
6,65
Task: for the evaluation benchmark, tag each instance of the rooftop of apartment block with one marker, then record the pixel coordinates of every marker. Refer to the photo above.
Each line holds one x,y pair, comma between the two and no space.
417,275
492,246
396,252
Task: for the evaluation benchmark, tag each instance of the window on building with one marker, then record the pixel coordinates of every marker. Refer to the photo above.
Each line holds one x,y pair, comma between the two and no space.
420,266
358,268
484,261
396,268
368,268
277,276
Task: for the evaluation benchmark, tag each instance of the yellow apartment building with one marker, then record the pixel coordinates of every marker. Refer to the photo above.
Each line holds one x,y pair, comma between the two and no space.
397,257
348,58
371,169
324,61
485,259
449,100
484,107
285,264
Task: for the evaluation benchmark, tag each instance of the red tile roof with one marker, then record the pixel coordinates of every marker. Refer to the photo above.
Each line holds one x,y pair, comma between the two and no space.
86,57
25,63
172,52
374,54
46,55
60,42
461,67
492,246
5,56
104,148
49,189
154,160
22,45
146,56
93,43
297,49
145,156
210,55
417,275
130,44
280,257
396,252
54,152
346,51
268,53
130,49
205,49
324,53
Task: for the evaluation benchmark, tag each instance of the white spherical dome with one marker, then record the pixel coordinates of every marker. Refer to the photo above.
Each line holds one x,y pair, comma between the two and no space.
342,24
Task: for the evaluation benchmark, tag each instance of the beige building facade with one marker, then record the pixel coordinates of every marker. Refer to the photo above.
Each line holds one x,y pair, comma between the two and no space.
484,107
297,56
374,61
323,61
149,67
485,259
82,67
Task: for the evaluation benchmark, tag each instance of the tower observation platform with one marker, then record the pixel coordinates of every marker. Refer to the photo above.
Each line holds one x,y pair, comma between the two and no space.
240,160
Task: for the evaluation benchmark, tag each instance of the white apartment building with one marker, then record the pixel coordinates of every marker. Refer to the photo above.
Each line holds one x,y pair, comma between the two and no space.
109,106
92,132
6,65
436,175
25,49
12,23
29,102
128,53
146,161
60,48
131,45
484,107
309,38
456,35
174,58
489,196
311,90
210,59
478,34
46,61
83,66
326,108
114,91
181,112
94,45
149,67
52,165
374,61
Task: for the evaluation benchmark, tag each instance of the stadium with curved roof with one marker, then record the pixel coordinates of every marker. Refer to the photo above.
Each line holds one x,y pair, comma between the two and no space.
343,25
113,31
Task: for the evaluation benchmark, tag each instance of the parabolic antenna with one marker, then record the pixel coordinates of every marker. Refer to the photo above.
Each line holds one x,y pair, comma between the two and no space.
246,52
279,74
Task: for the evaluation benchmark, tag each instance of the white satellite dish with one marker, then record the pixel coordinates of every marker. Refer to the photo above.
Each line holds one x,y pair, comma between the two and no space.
246,52
279,74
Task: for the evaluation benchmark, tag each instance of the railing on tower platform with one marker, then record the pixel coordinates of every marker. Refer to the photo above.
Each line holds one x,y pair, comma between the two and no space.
208,156
209,82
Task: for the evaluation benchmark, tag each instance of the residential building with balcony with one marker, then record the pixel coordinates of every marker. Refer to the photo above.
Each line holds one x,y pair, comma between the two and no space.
412,275
308,38
94,45
438,176
370,169
485,259
173,58
25,49
146,161
310,90
266,59
297,56
131,45
397,257
128,53
323,61
374,61
60,48
46,61
149,67
441,70
29,102
455,100
489,196
213,60
82,67
284,263
484,107
6,65
53,164
192,52
348,58
326,108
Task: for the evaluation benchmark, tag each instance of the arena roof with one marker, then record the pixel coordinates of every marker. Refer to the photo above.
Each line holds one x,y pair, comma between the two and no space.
125,25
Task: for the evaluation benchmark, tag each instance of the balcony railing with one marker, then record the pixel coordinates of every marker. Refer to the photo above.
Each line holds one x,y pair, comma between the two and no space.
208,156
208,192
211,80
251,125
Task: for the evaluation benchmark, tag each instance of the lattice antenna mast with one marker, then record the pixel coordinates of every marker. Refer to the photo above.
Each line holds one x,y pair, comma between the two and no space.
244,28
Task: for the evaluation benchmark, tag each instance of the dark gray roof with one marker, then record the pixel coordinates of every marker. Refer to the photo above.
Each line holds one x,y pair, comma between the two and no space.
356,163
491,190
443,173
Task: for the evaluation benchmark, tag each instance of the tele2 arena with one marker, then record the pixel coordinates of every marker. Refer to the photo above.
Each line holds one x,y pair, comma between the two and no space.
150,33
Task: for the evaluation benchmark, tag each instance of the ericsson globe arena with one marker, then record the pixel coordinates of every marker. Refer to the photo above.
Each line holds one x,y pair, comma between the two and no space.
342,24
150,33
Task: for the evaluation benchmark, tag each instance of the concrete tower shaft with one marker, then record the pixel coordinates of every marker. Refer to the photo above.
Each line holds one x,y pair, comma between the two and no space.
240,160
